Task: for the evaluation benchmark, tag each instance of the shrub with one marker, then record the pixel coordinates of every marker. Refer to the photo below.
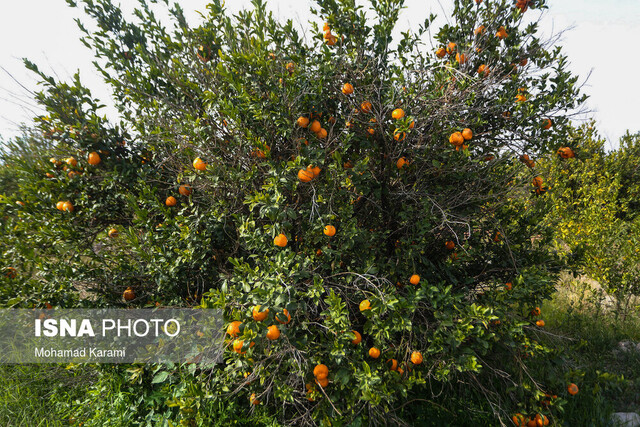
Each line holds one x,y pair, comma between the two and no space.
231,93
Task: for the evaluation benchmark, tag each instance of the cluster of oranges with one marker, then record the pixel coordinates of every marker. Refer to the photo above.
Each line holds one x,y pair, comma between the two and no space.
71,162
450,49
259,315
309,174
566,153
458,139
520,420
527,161
374,352
65,206
538,184
540,420
315,126
535,312
329,38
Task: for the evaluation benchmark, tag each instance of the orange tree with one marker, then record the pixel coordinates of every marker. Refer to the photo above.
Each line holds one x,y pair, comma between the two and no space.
354,205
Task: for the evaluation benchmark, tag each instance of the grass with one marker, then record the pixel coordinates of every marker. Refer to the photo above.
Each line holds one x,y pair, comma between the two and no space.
586,332
25,396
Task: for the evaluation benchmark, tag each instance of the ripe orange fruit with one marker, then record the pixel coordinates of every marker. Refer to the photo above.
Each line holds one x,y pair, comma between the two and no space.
527,160
72,162
393,365
305,175
365,305
483,69
496,238
399,136
273,333
461,58
315,126
397,114
416,358
479,30
537,181
113,233
541,420
258,315
302,121
327,34
347,89
128,294
450,245
238,344
540,323
323,382
451,47
234,328
315,170
401,162
94,158
171,201
546,124
329,230
519,420
357,338
291,67
284,317
441,52
508,286
374,352
253,399
520,98
59,206
280,240
320,371
566,153
522,5
467,134
48,175
67,207
199,164
572,389
366,107
501,33
371,131
524,62
456,139
322,133
184,190
536,311
415,279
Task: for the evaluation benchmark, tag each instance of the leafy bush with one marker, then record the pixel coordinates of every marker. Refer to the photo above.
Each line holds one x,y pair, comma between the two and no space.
243,94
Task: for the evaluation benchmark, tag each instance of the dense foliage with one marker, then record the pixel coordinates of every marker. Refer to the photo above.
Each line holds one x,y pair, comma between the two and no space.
407,220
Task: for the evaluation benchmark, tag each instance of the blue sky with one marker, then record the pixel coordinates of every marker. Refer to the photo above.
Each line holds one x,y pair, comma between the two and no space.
601,41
